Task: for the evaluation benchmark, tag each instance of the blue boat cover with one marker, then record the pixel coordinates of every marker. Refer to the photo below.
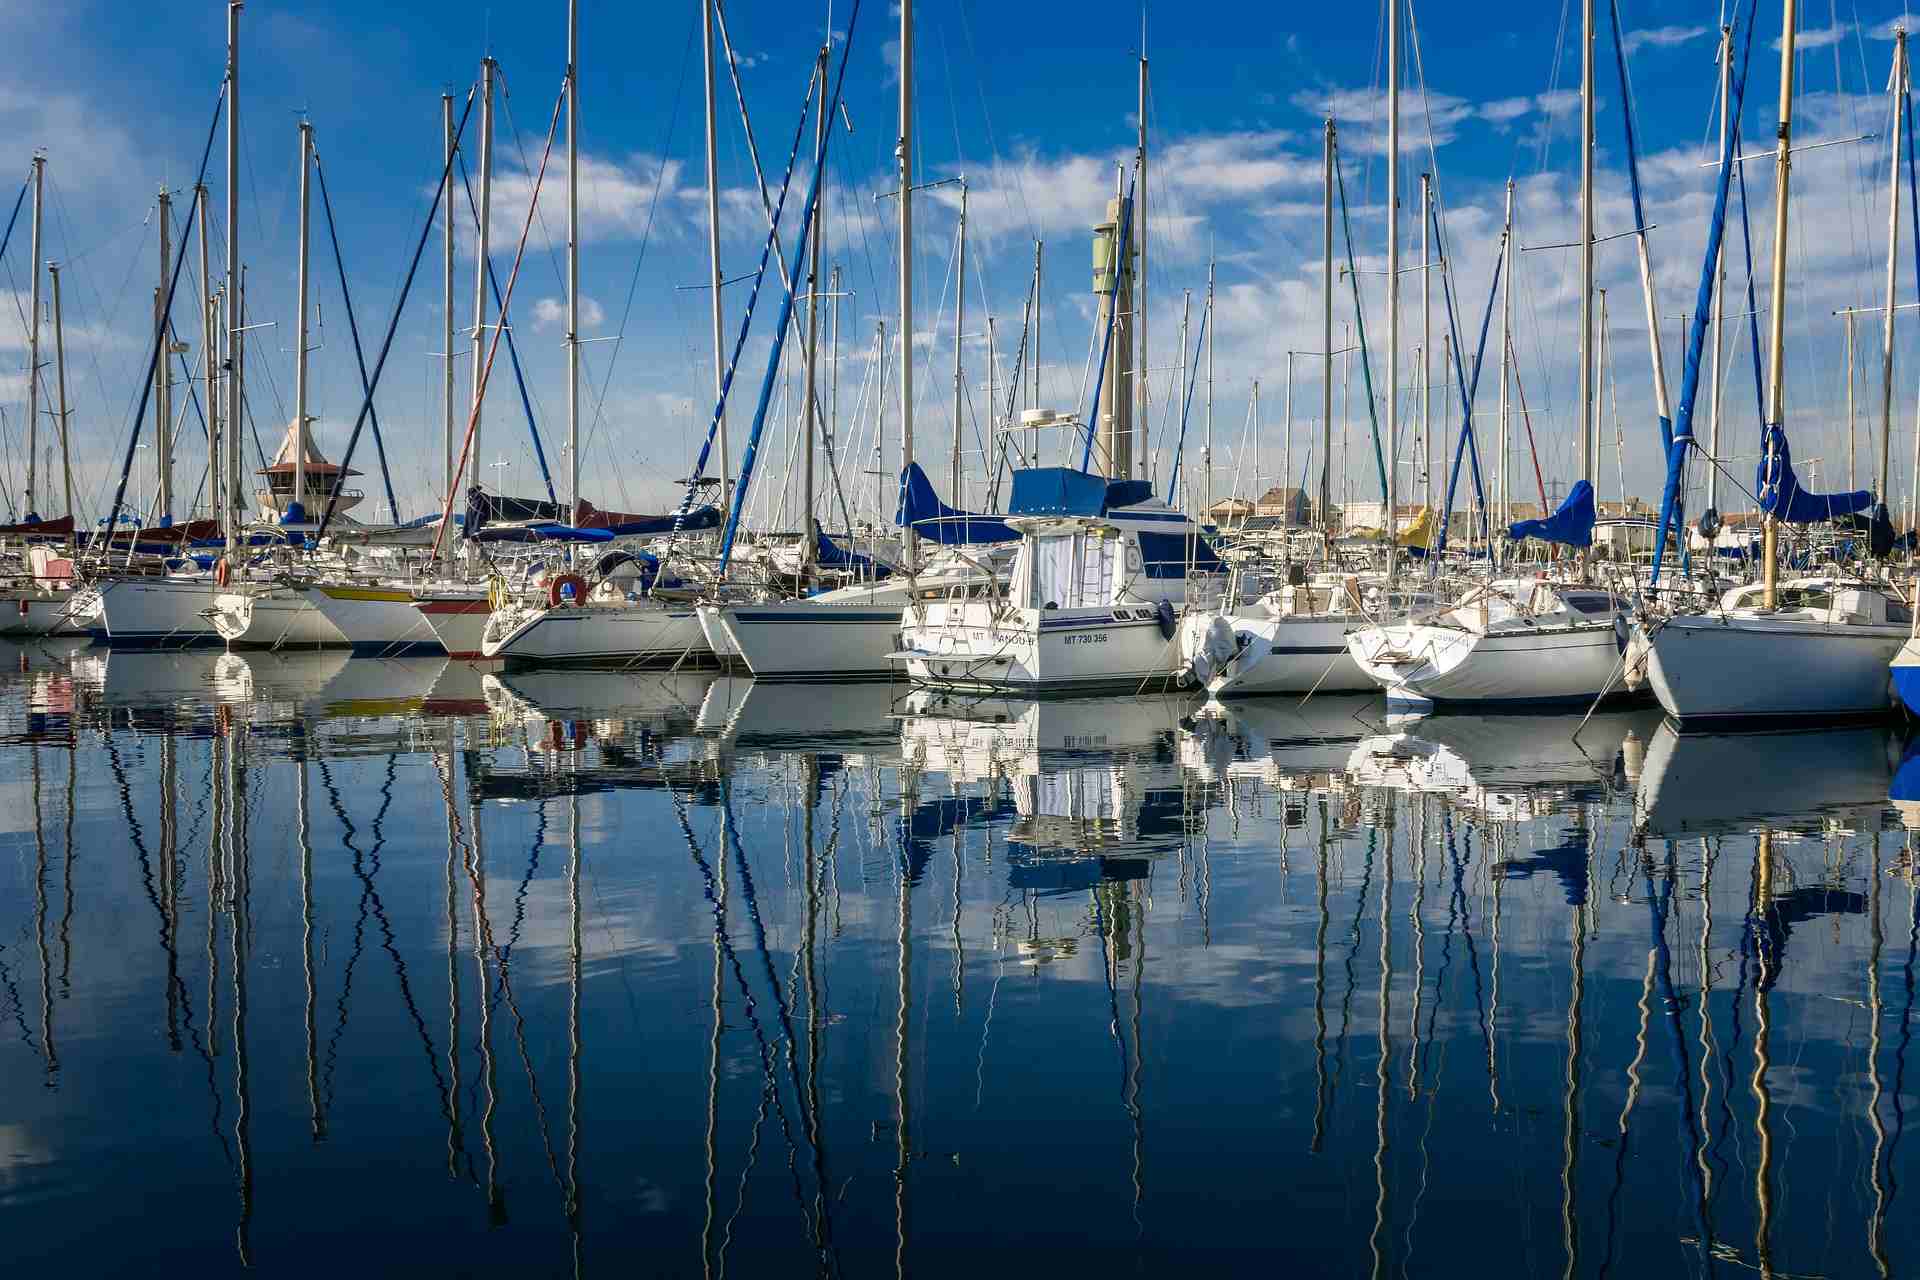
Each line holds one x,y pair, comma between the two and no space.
1057,491
542,531
829,554
1127,493
1782,497
702,517
921,507
1572,524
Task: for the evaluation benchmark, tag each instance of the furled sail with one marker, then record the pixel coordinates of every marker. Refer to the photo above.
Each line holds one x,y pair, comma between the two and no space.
1571,525
1782,497
921,508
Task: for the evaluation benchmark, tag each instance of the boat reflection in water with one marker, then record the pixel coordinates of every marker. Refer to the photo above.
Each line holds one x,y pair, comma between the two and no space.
775,979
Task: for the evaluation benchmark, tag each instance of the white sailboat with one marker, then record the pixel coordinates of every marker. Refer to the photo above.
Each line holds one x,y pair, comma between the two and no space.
1808,649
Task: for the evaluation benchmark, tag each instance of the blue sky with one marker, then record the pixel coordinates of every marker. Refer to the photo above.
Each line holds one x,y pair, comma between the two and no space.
1035,104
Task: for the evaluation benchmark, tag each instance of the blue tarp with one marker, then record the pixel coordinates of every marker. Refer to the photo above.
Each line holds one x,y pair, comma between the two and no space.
1782,497
1571,525
1168,555
703,517
933,519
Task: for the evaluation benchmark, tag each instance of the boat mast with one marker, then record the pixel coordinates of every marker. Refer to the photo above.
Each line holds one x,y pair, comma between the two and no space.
1286,448
1326,336
810,412
573,262
1777,311
209,328
235,409
1139,414
481,261
1389,525
959,340
446,289
60,384
162,376
1426,341
1207,319
713,254
295,511
903,154
1719,296
33,343
1586,243
1893,261
1506,360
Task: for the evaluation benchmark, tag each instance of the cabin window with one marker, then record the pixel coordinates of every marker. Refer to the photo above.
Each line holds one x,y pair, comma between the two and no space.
1054,578
1590,604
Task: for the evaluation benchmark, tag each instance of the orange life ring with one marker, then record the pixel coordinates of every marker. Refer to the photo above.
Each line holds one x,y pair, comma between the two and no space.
557,588
222,572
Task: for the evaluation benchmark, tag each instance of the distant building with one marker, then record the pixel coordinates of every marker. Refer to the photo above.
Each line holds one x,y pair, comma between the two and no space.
1290,505
1229,513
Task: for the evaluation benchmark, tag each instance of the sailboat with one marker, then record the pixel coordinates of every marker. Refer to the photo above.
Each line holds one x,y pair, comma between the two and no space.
1809,648
1521,640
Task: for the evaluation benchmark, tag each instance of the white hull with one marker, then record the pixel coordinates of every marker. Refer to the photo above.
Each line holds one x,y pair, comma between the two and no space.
1707,668
158,612
1033,651
459,623
1281,655
30,612
806,639
380,621
1692,783
598,635
1451,666
274,618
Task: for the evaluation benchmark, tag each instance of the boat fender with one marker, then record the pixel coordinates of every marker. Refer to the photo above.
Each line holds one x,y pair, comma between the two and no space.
1621,631
23,606
1165,614
567,587
1709,523
222,572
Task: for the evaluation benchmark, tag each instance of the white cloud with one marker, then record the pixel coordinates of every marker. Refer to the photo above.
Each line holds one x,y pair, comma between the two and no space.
1819,37
1660,37
1907,21
551,314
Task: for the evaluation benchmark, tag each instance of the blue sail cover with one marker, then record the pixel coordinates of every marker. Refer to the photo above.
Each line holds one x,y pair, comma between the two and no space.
1782,497
1057,491
828,554
933,519
1571,525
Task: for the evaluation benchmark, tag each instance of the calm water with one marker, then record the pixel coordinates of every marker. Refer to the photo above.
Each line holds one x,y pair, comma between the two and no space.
309,965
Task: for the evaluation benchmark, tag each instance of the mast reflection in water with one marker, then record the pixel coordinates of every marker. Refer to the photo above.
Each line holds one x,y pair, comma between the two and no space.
309,963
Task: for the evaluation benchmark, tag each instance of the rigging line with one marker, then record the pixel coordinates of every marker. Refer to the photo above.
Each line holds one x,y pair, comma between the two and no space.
393,325
1360,322
353,327
159,337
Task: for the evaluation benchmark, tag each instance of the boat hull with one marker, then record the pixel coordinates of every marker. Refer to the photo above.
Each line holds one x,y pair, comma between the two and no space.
1423,666
274,618
156,613
376,621
1035,653
598,636
806,640
458,622
1281,655
1714,671
1905,670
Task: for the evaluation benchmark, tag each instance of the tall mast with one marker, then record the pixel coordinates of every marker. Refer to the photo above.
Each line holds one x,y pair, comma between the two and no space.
1389,525
573,260
1180,383
234,321
1586,242
295,512
1426,340
1720,292
959,340
209,360
810,412
1326,332
446,292
1893,261
1286,446
162,375
484,236
713,251
903,153
1038,294
33,344
1776,309
1138,456
60,384
1208,321
1505,490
